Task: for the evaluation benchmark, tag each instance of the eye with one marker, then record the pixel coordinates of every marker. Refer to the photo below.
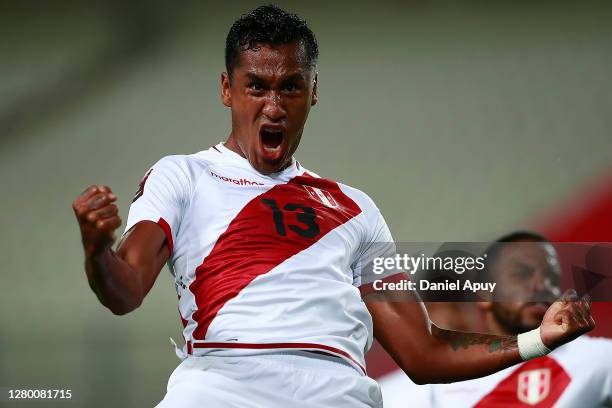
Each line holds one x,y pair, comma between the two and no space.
291,88
256,86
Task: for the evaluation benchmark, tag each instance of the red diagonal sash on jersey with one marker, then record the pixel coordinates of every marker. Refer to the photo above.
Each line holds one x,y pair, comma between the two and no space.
269,229
536,383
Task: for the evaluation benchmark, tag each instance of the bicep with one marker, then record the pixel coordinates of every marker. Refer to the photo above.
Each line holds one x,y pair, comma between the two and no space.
145,249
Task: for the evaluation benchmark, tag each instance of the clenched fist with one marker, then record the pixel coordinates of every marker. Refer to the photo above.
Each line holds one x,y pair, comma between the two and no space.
98,218
566,319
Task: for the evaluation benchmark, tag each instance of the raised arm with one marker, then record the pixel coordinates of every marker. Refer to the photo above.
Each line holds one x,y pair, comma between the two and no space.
429,354
122,278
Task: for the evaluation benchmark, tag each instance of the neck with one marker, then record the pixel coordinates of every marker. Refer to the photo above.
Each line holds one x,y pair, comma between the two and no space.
231,144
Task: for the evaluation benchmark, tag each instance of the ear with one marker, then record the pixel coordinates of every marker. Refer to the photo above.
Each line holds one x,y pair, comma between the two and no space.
313,101
226,95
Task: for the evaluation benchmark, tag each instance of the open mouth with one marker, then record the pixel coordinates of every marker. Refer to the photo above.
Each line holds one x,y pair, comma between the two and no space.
271,139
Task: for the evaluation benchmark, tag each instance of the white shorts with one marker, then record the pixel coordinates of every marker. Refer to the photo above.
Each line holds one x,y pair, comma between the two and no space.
289,379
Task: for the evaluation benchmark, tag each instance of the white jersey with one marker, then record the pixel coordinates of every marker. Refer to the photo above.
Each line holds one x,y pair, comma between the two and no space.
577,374
263,262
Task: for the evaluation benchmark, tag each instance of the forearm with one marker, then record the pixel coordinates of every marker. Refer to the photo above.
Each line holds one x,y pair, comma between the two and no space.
120,279
115,283
458,356
429,354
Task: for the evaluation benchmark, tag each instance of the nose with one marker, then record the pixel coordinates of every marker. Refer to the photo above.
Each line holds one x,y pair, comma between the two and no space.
273,108
543,290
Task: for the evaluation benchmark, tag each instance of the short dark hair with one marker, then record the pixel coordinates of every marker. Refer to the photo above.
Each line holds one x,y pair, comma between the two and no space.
495,249
268,25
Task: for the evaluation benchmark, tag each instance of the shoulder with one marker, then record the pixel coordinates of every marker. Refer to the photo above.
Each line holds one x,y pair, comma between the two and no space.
184,161
363,200
591,344
187,167
174,175
596,350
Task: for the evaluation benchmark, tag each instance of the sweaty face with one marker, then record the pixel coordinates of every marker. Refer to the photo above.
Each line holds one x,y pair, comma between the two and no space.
270,94
528,279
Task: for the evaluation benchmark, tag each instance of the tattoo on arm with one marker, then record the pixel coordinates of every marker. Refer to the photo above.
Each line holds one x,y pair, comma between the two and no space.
461,340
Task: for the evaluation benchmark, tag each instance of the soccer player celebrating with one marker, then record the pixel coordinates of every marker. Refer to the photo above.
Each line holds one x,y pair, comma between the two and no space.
267,256
578,374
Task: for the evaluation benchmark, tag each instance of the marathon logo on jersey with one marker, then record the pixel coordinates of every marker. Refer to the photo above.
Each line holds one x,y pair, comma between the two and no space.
238,182
322,196
141,186
533,385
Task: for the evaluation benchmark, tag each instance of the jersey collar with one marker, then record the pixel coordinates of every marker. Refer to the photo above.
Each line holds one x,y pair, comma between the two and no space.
290,171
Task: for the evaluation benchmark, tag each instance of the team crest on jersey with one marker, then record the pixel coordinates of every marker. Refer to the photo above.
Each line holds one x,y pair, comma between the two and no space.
322,196
533,385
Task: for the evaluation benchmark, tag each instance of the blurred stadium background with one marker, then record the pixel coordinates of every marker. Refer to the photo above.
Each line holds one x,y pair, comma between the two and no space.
463,120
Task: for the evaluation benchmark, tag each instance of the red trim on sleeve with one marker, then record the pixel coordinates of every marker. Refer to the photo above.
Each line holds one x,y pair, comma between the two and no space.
166,227
368,288
189,347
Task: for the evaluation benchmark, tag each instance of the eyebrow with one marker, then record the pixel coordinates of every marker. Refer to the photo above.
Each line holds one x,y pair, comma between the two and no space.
253,77
291,78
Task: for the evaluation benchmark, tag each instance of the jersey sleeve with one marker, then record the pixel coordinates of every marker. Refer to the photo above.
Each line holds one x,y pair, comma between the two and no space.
377,246
161,197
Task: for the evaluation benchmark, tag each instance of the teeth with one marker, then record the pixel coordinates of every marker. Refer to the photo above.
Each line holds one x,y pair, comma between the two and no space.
269,138
272,149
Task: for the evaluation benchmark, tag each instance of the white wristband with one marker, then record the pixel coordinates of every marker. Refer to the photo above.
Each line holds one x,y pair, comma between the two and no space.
530,345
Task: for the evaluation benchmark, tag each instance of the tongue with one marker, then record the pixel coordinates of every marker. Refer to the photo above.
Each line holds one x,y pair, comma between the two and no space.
271,139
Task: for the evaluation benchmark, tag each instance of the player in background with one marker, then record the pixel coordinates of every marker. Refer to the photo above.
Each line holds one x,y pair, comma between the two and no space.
267,256
577,374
